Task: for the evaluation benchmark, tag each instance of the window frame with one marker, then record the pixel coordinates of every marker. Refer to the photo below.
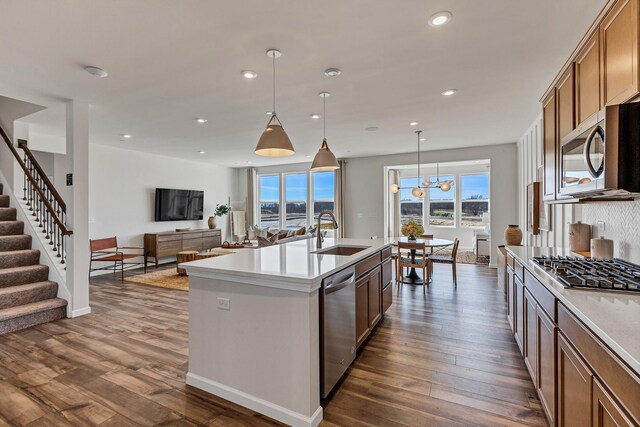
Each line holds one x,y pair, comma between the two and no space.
282,197
426,213
488,200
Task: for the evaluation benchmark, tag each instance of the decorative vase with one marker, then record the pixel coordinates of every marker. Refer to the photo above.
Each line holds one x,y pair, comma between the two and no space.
513,235
212,222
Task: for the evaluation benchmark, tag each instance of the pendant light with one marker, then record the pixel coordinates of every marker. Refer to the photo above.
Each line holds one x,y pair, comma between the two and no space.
324,159
419,191
274,141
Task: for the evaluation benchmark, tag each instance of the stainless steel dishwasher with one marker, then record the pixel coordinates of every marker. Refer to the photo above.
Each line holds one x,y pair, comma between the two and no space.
338,332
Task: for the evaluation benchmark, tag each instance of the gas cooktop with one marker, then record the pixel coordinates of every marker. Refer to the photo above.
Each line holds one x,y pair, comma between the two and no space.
591,273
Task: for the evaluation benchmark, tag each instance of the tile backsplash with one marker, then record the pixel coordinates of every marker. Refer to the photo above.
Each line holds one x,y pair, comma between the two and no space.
621,223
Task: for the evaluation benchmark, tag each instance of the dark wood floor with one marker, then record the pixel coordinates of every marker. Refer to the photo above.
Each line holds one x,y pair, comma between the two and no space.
444,359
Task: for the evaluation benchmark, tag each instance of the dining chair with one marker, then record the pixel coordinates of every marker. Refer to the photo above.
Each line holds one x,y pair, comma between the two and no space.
428,236
419,261
447,259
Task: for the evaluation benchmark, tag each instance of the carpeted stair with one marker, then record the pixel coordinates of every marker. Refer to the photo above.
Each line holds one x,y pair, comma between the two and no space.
27,297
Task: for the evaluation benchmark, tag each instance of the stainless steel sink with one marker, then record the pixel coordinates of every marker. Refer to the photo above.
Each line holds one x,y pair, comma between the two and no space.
341,250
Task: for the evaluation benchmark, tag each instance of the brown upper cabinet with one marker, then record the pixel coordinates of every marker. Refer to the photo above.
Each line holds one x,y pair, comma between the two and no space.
549,145
587,70
565,94
619,53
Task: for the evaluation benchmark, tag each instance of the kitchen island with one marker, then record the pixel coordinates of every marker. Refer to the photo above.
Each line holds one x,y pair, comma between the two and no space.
255,321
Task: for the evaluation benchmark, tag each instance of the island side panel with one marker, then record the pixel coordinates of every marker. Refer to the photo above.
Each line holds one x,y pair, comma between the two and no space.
266,346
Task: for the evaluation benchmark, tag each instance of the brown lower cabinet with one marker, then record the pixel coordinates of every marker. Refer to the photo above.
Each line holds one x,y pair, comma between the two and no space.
574,387
373,296
579,380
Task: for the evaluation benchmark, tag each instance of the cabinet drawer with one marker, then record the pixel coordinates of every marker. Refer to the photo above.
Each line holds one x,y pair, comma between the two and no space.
545,298
211,242
386,272
211,233
387,297
518,269
367,264
621,381
386,253
192,244
169,237
170,247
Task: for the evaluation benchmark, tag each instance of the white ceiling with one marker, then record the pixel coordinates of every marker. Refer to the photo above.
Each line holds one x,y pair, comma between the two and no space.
172,61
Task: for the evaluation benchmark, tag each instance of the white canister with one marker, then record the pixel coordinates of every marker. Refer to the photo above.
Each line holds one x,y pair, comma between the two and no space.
602,248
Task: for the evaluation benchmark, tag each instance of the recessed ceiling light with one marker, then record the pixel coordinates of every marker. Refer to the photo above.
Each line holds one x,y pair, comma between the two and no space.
315,116
249,162
440,18
308,157
332,72
201,121
269,113
201,152
413,123
371,128
247,74
423,139
126,136
95,71
449,92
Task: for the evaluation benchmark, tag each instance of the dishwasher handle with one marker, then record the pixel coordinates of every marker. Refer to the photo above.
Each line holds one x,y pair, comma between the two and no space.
334,287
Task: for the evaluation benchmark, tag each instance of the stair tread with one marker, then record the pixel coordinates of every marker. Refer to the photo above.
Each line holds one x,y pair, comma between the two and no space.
25,287
23,268
31,308
18,252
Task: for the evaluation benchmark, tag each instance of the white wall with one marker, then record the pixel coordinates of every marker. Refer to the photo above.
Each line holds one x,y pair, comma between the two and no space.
366,189
122,187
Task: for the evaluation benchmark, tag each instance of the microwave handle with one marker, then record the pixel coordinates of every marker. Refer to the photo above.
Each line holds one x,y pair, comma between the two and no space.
587,148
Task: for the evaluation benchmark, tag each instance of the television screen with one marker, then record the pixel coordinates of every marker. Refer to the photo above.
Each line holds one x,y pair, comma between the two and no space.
179,205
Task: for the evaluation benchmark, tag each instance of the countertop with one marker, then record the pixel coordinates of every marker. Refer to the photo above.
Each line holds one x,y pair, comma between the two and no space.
292,266
614,317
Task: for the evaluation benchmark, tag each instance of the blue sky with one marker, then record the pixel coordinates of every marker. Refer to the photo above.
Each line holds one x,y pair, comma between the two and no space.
296,186
471,185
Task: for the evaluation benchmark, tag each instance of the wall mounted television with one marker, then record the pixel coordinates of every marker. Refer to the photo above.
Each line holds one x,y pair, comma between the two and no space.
179,205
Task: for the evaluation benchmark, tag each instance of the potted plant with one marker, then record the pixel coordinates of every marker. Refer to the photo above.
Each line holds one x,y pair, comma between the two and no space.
220,210
412,229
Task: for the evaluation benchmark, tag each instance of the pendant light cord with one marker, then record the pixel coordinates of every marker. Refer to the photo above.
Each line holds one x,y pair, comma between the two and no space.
324,117
418,132
273,58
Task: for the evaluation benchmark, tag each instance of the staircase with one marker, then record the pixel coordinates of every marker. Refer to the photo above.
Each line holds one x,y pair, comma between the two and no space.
27,297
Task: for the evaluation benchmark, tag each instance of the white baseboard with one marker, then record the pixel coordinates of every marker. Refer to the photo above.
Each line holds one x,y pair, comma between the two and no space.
257,404
81,312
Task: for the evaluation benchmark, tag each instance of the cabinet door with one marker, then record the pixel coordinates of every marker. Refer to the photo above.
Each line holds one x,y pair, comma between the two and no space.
549,145
574,387
530,335
606,412
587,71
510,299
518,295
546,345
566,95
362,309
375,295
619,53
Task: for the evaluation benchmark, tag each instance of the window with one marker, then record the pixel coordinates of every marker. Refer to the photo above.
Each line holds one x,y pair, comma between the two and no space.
269,189
411,207
323,193
303,195
474,199
295,185
442,204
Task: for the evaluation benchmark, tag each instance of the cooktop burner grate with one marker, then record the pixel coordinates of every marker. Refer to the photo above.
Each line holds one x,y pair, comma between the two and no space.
591,273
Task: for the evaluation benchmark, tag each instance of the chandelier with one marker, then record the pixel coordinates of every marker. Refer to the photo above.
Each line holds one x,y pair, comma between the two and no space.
419,191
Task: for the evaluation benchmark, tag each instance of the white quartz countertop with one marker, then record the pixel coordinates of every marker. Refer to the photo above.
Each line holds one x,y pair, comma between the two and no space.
612,316
292,266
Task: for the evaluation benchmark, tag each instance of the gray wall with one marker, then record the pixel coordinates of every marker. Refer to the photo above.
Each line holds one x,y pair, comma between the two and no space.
366,187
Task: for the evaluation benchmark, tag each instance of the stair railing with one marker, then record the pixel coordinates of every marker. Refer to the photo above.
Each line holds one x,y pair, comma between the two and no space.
42,198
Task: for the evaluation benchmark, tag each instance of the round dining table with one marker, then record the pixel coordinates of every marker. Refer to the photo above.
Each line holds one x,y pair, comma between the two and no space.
412,278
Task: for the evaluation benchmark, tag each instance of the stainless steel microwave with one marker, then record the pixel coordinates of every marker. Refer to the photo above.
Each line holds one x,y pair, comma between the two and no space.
601,158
